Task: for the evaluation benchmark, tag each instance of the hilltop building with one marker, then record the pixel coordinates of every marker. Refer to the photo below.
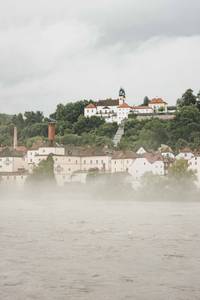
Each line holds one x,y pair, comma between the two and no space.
112,110
117,110
158,105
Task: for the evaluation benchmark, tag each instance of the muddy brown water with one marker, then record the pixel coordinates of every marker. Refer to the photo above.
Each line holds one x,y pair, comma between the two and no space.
53,249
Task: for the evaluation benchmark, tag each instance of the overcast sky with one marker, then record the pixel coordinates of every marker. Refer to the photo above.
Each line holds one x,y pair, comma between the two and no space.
66,50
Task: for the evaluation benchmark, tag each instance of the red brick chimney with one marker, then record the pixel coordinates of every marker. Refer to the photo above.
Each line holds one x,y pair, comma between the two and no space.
51,132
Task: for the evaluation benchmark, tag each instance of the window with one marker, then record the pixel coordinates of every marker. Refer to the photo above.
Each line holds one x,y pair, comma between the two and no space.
91,161
97,162
84,162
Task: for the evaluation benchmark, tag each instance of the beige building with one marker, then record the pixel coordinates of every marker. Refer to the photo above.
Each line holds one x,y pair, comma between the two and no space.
158,104
12,164
121,161
67,168
35,156
17,179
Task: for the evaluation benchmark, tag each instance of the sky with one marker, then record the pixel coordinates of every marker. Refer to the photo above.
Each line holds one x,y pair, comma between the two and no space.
61,51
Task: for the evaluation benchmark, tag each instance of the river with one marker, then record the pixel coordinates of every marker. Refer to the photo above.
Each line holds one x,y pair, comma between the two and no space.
57,248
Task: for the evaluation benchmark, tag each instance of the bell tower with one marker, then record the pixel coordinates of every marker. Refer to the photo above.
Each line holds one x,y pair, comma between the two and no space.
122,96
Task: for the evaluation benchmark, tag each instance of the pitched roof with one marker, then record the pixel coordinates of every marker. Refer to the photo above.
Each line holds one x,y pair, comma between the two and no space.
86,151
91,105
124,105
124,155
165,148
108,102
157,101
185,150
152,157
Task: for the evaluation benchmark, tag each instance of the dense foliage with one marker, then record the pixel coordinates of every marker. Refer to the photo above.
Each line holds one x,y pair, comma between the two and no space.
43,172
73,128
181,132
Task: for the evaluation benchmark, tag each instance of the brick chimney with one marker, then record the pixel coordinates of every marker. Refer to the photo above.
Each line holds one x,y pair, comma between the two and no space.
51,132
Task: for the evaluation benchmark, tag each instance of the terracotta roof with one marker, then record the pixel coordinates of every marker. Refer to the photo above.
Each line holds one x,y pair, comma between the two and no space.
108,102
152,157
186,150
91,105
157,101
124,105
22,149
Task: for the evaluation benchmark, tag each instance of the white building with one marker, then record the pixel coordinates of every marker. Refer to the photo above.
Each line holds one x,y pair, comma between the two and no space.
121,161
158,105
17,179
194,164
34,157
141,151
111,110
67,168
12,164
185,154
142,110
13,170
166,152
148,163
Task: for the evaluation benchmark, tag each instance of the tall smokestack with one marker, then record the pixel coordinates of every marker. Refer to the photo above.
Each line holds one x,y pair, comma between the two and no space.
15,138
51,132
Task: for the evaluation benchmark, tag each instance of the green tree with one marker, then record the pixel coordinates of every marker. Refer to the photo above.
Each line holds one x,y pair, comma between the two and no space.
37,129
32,117
180,175
107,130
87,124
69,112
18,121
44,172
188,98
145,101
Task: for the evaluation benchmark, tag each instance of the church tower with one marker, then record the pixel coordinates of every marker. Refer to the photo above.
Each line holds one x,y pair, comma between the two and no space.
122,96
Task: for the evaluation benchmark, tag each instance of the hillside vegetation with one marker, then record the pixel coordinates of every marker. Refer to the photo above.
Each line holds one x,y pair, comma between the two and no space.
72,128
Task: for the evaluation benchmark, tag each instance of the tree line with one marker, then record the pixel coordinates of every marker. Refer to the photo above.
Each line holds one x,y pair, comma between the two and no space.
75,129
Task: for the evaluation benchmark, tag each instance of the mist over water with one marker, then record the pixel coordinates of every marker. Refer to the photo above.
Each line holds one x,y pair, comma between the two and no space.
80,242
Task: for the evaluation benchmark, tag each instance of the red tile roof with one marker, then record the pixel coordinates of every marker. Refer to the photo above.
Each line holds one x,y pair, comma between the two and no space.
124,105
108,102
91,105
157,101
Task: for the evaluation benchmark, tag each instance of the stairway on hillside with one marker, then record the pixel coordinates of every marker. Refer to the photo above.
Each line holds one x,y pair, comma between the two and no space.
119,134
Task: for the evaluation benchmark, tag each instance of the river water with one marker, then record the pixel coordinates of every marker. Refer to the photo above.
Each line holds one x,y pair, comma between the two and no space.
53,249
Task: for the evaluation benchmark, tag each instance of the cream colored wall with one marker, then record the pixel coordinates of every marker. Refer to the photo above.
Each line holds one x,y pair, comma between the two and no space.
12,164
120,165
11,179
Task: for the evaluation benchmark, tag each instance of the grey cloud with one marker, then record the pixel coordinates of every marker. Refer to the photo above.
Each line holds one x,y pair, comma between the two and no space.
68,50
